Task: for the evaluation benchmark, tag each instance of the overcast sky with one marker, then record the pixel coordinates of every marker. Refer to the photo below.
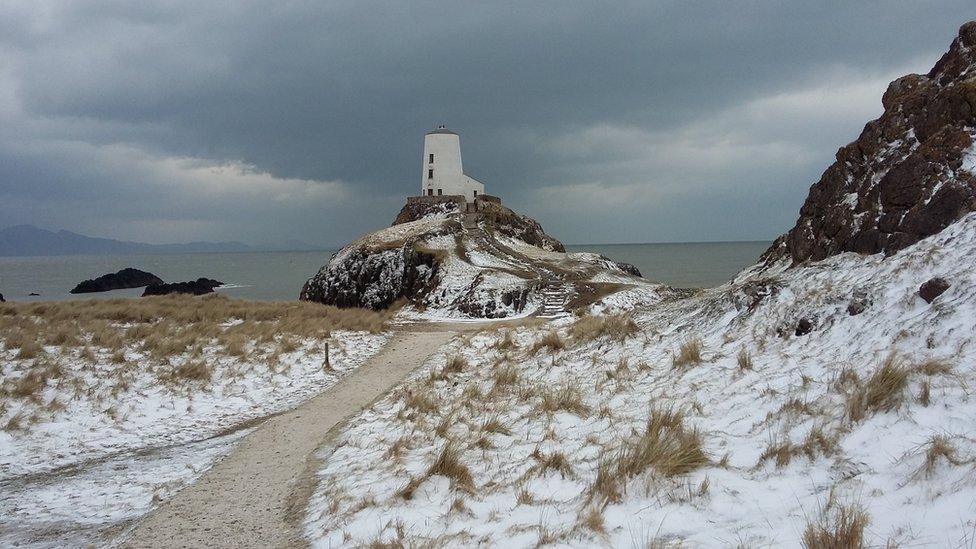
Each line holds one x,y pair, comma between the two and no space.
607,122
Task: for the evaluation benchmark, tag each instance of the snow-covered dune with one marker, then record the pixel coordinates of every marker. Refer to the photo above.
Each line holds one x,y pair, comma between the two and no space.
98,427
791,426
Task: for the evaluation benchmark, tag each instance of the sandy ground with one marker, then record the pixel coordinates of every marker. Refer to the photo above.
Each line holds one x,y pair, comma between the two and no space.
255,497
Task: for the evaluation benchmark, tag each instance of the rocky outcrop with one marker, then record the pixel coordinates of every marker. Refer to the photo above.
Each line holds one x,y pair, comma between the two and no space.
752,293
628,268
126,278
382,267
199,286
932,289
499,218
373,279
803,327
910,173
484,264
496,304
414,210
513,225
859,303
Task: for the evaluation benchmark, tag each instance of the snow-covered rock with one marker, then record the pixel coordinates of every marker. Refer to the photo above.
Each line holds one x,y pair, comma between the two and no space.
907,176
495,263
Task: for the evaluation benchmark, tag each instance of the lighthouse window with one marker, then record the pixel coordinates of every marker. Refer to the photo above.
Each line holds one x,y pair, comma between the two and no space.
431,158
440,192
430,174
430,192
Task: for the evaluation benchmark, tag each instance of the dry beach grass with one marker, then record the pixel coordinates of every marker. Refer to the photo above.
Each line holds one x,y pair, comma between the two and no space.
56,322
179,339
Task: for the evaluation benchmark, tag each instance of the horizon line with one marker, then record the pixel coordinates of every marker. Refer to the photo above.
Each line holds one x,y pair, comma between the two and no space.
670,242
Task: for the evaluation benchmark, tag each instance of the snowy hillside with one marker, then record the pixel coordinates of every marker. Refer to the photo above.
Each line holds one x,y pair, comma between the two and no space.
752,414
821,399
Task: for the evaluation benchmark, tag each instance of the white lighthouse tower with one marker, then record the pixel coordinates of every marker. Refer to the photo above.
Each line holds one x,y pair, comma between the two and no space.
443,175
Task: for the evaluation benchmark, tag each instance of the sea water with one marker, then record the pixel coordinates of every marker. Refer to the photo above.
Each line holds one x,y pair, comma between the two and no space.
280,275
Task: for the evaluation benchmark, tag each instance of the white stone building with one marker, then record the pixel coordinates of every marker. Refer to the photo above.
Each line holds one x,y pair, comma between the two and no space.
443,175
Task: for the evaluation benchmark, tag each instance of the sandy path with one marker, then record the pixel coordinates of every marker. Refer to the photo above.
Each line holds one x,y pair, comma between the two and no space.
255,496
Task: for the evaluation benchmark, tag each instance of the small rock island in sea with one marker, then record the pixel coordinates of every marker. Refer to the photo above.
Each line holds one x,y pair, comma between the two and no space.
199,286
455,251
126,278
134,278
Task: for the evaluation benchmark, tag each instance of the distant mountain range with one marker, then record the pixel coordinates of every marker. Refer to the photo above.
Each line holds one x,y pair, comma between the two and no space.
28,240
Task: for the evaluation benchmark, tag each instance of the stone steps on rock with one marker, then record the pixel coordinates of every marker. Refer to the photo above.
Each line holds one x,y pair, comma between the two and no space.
555,296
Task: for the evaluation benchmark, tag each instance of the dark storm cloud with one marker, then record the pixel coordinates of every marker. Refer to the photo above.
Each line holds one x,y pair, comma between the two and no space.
262,121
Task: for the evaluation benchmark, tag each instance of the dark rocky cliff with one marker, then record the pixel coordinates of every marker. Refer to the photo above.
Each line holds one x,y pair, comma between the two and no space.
906,177
373,279
373,275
